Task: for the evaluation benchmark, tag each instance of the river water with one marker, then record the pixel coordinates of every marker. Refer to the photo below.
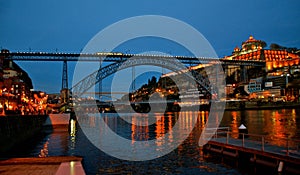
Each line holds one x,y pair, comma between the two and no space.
188,158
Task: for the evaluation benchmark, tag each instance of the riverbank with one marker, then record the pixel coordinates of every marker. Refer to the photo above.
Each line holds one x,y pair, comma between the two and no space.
237,105
259,105
22,129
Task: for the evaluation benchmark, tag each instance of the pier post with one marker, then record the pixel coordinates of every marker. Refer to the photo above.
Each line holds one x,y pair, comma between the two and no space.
254,160
280,167
237,160
262,143
243,141
287,147
227,137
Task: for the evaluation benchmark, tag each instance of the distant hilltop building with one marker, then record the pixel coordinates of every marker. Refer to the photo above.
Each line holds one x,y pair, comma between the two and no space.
253,49
271,72
279,77
15,85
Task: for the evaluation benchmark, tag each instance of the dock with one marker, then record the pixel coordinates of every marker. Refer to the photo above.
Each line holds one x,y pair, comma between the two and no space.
56,165
256,150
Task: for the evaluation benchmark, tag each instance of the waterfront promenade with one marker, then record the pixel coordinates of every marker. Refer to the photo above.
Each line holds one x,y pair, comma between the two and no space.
59,165
13,126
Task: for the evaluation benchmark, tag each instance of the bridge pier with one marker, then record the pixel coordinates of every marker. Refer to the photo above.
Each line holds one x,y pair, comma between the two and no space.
100,82
65,92
244,76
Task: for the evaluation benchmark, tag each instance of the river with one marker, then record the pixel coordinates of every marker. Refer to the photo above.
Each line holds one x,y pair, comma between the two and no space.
188,158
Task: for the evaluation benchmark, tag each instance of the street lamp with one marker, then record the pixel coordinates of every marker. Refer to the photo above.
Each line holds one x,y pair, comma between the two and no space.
286,82
286,79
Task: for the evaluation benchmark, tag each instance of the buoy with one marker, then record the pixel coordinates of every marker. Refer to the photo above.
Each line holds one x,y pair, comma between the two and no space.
243,130
242,126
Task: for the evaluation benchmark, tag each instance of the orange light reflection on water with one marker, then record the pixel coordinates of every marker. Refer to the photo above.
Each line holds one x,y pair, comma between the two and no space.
276,125
235,125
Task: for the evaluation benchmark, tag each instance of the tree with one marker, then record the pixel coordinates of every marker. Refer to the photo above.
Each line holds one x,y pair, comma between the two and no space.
275,46
263,44
152,81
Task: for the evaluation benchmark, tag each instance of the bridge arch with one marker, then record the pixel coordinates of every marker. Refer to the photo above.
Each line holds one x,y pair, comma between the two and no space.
169,63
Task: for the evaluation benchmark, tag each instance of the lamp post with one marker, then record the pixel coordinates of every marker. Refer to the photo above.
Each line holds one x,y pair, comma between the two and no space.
286,81
9,92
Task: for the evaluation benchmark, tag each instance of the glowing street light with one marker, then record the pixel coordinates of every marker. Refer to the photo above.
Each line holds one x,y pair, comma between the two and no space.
286,79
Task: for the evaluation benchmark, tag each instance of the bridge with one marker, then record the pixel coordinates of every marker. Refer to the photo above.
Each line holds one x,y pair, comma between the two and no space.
111,95
118,59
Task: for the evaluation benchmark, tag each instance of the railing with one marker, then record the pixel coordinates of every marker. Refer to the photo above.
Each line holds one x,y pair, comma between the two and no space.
288,147
215,132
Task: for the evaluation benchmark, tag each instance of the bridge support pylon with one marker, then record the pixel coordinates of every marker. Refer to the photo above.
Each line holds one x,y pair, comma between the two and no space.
244,76
64,92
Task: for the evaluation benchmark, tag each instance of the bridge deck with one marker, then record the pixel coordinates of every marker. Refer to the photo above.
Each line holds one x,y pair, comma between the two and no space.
113,57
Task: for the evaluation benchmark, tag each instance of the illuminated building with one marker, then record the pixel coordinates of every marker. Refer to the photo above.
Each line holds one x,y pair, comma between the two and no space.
281,67
15,85
279,71
253,49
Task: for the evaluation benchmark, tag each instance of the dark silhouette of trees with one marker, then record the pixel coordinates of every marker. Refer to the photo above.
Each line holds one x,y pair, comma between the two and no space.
275,46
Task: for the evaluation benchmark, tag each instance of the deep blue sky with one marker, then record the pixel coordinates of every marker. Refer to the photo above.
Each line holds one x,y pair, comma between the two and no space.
67,25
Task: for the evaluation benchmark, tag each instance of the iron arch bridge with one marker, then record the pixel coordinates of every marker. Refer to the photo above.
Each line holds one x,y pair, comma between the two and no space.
111,95
118,59
172,64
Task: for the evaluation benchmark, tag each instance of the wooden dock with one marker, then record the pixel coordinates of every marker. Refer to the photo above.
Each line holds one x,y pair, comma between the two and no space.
57,165
257,150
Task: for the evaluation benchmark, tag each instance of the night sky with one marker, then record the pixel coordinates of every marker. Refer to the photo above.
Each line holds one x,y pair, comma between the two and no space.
68,25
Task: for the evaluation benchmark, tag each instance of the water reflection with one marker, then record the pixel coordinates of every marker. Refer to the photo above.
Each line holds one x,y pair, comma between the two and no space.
72,132
139,132
138,129
187,158
235,125
44,151
277,125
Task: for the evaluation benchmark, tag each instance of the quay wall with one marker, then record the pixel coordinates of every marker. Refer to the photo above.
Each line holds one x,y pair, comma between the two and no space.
256,105
17,129
270,105
57,120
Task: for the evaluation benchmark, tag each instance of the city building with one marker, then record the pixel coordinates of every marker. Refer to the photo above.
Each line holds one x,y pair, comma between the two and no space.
276,60
277,77
15,87
280,74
